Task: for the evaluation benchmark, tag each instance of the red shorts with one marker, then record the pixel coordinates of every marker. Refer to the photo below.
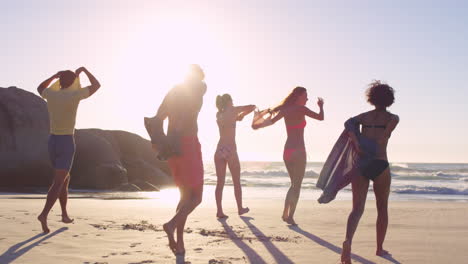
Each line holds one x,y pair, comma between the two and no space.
187,168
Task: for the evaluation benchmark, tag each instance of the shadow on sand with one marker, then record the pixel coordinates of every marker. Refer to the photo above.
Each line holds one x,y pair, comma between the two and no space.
274,251
15,252
391,259
328,245
248,251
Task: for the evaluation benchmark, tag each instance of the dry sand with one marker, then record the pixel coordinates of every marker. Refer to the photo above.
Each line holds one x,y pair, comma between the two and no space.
130,231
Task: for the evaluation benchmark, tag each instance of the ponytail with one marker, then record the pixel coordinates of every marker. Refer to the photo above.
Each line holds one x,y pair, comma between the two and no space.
222,101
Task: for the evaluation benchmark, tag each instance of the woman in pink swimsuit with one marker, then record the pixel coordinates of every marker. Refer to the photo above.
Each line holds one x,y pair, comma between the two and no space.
226,151
293,110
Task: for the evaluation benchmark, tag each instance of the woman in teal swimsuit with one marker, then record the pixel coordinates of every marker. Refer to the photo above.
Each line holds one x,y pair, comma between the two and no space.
294,111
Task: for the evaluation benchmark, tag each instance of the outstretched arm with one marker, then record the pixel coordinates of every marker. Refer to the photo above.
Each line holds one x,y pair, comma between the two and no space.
47,82
276,117
95,85
259,121
320,116
243,111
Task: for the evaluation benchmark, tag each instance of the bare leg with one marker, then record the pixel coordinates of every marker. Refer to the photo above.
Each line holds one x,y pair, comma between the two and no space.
179,245
234,167
382,191
297,177
52,197
296,169
360,185
220,165
194,198
63,198
289,166
184,195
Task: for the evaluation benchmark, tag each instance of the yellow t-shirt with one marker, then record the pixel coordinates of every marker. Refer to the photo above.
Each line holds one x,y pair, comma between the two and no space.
62,106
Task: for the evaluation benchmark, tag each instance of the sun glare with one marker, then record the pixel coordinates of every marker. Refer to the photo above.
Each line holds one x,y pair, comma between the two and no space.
170,195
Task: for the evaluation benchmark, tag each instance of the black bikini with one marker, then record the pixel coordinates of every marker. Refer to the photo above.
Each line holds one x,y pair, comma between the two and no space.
375,167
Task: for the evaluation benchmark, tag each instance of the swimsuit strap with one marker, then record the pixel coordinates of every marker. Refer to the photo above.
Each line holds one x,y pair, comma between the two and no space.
374,126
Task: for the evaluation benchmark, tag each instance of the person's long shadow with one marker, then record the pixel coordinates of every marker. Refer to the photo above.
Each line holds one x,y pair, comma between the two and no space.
328,245
15,252
274,251
248,251
391,259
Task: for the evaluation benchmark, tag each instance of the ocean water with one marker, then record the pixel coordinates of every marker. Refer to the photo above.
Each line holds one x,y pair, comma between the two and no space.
410,181
270,180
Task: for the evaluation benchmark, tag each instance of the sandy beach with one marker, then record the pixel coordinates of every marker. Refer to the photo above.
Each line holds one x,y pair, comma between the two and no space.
130,231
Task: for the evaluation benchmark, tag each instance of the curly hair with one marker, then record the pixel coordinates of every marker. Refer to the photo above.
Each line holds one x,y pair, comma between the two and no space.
380,94
290,99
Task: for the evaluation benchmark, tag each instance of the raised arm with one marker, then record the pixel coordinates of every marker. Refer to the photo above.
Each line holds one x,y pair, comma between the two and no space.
244,110
95,85
47,82
320,116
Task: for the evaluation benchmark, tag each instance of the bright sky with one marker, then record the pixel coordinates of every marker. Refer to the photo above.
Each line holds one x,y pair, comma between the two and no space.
257,51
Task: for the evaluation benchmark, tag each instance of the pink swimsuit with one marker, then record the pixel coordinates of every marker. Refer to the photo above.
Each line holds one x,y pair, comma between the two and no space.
288,152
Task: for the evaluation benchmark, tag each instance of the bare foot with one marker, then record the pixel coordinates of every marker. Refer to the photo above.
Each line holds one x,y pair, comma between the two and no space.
381,252
291,221
170,236
221,216
43,221
243,211
285,218
346,253
67,220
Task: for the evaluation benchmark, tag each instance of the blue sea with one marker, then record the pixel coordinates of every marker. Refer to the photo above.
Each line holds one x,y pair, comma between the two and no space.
270,180
410,181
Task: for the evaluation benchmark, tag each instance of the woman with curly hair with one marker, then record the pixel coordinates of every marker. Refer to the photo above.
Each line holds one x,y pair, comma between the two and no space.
226,151
370,142
294,111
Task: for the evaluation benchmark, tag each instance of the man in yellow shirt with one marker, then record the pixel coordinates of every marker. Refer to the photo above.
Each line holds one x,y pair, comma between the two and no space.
62,104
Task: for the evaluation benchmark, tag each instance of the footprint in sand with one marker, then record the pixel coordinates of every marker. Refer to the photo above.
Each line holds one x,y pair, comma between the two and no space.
198,249
134,245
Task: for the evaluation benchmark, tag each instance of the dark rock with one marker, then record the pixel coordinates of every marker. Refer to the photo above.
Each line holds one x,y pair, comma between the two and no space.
24,130
104,159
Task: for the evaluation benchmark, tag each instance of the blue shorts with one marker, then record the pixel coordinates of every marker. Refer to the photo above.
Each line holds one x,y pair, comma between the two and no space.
61,151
